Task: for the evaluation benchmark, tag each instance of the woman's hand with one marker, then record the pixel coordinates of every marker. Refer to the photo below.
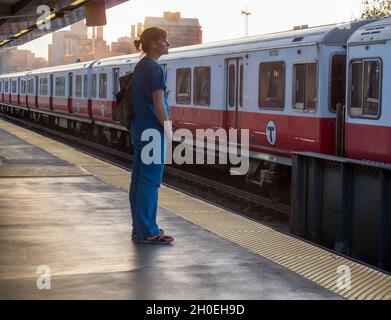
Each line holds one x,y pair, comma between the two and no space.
160,107
168,132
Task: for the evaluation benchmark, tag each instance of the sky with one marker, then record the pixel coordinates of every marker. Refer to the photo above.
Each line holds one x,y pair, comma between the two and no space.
223,19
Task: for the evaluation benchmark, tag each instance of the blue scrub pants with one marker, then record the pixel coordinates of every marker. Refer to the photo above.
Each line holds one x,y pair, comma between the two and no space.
144,190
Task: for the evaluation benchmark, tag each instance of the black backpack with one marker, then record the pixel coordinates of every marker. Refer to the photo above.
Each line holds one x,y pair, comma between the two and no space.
124,104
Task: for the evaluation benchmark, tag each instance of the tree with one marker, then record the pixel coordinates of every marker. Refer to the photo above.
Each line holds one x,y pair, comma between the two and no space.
376,9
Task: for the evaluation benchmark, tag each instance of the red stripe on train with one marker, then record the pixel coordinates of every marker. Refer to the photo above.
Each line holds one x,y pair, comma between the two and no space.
294,133
366,142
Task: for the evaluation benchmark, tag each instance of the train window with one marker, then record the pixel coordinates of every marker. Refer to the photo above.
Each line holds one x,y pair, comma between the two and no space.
337,81
231,85
23,87
115,80
1,86
356,88
43,87
13,87
102,85
79,85
365,88
202,86
70,84
241,85
51,88
6,86
31,86
94,85
85,86
372,78
60,87
183,86
305,87
272,85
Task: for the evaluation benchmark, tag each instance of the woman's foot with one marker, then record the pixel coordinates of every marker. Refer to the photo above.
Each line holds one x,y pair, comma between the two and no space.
161,232
159,239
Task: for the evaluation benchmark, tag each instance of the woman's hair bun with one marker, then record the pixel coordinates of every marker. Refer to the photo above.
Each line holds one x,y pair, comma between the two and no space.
137,44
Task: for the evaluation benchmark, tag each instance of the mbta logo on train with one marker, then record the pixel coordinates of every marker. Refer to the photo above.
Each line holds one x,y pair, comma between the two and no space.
271,133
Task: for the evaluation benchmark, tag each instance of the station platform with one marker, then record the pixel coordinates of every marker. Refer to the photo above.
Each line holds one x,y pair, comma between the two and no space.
69,212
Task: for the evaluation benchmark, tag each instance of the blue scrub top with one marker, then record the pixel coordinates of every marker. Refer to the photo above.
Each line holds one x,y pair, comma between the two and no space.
148,77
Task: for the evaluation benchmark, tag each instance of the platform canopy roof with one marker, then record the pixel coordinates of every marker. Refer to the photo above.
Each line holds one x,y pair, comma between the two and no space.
22,21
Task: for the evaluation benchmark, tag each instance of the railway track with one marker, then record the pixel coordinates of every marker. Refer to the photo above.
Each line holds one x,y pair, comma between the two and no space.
172,174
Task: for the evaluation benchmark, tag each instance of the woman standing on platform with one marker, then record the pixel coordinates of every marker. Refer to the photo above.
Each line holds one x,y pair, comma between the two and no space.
151,111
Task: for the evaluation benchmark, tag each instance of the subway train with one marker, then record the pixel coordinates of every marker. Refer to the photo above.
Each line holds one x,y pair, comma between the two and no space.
321,89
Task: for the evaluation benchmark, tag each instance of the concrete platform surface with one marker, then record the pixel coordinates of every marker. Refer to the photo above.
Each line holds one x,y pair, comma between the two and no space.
78,228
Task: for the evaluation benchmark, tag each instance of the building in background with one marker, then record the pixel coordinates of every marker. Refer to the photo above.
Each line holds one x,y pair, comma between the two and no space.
181,31
14,60
71,46
79,28
75,45
60,47
122,46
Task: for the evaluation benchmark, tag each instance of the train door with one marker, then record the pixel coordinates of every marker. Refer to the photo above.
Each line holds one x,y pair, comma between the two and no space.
51,91
70,92
234,92
18,91
337,99
27,91
115,82
36,91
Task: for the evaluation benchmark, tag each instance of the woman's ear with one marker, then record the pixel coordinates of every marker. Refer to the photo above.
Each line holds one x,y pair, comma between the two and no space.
153,44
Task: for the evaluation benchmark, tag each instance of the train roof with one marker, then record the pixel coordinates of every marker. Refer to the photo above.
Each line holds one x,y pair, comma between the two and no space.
14,74
333,34
376,31
117,61
64,68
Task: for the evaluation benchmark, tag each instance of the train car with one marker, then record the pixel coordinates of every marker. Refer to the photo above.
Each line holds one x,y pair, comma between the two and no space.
11,85
105,84
2,88
61,95
282,87
368,116
64,89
